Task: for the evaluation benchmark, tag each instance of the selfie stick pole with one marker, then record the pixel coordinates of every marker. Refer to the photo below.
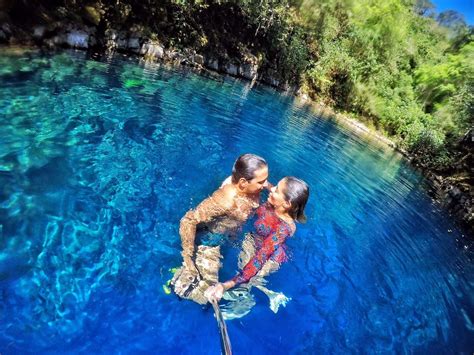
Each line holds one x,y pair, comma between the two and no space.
225,341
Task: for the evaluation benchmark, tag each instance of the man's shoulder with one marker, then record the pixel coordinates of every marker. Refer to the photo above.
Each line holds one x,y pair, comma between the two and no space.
225,196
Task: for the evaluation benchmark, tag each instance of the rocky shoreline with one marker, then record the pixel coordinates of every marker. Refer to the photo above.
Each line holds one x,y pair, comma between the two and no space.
85,37
453,189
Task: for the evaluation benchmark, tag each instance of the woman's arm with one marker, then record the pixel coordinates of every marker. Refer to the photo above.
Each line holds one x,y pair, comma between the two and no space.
270,245
255,264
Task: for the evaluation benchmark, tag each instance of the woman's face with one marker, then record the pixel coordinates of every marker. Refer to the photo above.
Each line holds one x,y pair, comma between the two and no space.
276,197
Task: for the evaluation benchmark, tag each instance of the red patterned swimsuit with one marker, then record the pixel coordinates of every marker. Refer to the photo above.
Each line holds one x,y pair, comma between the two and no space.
270,237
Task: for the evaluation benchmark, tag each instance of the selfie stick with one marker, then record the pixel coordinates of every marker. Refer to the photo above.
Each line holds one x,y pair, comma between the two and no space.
225,341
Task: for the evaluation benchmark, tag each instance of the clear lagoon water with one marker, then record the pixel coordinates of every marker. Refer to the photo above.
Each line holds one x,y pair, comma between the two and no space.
99,160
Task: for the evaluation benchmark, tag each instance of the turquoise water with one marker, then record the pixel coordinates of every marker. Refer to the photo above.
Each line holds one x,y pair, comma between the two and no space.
99,159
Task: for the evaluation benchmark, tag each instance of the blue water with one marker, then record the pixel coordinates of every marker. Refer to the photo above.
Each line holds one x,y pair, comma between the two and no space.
99,159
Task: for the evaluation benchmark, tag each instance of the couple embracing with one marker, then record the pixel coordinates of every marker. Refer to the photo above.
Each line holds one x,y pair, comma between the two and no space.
219,217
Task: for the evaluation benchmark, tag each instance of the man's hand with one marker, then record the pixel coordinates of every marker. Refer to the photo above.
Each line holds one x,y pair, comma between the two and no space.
185,280
215,293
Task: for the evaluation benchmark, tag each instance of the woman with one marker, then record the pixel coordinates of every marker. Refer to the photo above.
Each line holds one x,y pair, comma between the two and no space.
274,225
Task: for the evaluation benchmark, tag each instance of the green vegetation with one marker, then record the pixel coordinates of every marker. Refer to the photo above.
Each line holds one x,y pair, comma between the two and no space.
392,63
405,73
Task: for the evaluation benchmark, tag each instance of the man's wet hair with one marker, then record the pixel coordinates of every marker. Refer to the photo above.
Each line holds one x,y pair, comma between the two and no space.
245,167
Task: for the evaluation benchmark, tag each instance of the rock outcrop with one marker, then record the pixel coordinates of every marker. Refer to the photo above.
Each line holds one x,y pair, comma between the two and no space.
152,50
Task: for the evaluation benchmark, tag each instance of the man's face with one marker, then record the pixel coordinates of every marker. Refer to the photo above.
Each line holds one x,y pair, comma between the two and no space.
258,182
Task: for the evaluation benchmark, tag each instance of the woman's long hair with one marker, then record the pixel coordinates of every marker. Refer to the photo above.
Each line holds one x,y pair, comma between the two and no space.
297,194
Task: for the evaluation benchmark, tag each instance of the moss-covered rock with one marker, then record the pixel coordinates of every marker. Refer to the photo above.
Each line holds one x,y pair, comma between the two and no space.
93,13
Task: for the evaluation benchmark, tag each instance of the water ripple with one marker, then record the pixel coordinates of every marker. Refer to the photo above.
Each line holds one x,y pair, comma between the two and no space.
100,159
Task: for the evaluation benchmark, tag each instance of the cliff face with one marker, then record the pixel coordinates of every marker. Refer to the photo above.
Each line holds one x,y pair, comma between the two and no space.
453,186
219,37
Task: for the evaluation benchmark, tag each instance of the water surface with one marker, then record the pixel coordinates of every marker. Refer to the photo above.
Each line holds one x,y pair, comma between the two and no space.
99,160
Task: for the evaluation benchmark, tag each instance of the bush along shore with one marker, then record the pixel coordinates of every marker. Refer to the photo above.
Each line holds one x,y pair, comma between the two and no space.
398,67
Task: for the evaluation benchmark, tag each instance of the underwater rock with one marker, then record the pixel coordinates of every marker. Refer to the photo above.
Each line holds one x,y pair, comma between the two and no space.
92,41
152,50
115,40
211,63
39,31
121,42
5,32
290,89
111,40
248,71
135,38
75,36
78,39
454,192
274,82
175,56
6,29
302,94
231,69
270,79
57,40
198,59
249,68
184,57
133,44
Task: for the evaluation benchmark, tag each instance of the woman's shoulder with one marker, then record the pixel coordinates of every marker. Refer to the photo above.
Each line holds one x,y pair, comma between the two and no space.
285,226
288,226
292,227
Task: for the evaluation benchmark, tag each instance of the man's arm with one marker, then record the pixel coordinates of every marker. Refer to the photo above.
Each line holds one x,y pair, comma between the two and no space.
216,205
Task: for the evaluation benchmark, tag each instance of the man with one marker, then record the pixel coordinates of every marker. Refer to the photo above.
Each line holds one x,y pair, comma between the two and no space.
210,224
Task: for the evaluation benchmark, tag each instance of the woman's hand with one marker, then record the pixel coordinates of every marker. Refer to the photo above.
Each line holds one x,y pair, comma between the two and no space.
215,293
